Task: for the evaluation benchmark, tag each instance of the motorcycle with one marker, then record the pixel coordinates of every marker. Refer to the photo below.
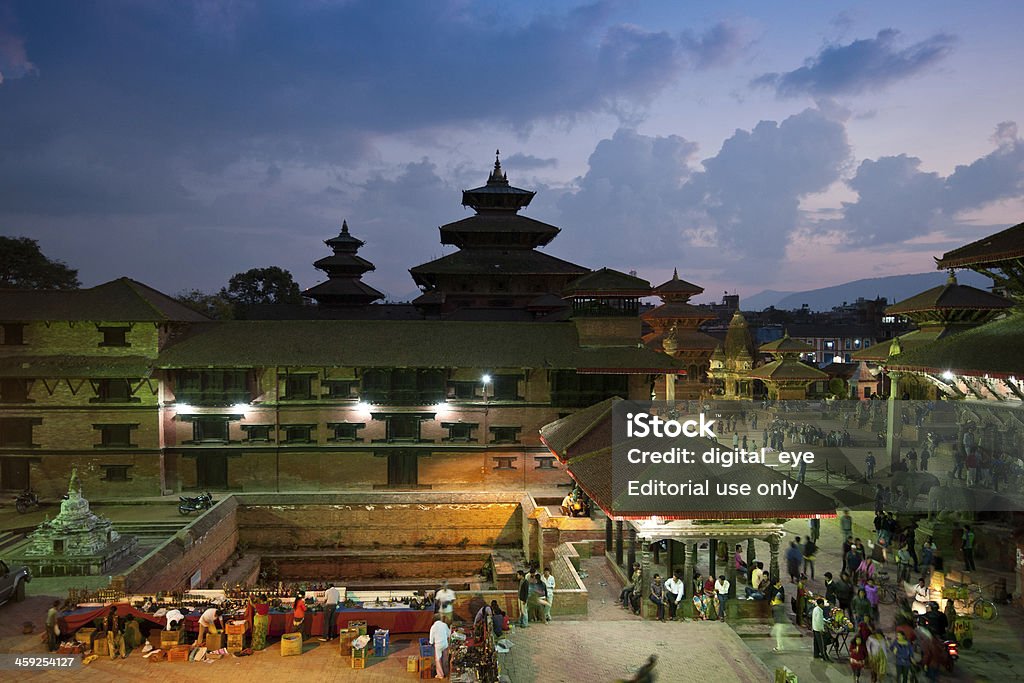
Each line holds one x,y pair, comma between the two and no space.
26,500
204,501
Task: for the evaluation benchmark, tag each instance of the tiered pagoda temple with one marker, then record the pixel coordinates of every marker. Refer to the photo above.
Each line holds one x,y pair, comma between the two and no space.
344,268
497,266
787,377
731,365
675,330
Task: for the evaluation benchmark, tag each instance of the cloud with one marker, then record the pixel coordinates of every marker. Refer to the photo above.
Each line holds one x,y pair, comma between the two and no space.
859,66
736,214
528,162
14,61
719,46
897,201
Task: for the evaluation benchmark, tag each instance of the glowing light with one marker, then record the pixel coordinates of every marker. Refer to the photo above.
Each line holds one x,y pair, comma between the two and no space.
184,409
486,379
363,407
440,407
241,407
947,375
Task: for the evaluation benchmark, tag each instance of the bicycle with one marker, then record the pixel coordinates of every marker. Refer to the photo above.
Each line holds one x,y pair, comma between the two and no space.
971,598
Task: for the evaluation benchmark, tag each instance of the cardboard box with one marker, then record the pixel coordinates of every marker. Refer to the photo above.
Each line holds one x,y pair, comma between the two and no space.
215,641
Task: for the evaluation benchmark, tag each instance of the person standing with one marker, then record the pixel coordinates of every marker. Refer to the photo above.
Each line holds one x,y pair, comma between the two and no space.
722,590
332,596
439,635
869,465
858,656
51,626
549,583
968,546
846,525
658,596
115,636
793,559
299,615
445,598
928,555
674,590
524,598
810,551
779,619
260,622
818,627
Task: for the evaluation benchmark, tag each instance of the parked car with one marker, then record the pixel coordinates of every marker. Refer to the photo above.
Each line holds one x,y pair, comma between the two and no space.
12,582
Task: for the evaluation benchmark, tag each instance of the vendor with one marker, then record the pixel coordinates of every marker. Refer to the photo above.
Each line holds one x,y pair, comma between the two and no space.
439,635
174,618
207,624
444,602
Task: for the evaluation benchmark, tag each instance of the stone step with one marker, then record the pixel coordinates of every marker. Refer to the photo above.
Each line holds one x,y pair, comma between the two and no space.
160,529
9,539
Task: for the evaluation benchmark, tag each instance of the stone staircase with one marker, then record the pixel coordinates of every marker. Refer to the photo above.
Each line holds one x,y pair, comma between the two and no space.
10,539
152,532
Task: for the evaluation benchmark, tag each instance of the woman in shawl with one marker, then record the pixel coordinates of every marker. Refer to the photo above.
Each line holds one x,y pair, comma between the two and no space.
700,606
260,621
878,661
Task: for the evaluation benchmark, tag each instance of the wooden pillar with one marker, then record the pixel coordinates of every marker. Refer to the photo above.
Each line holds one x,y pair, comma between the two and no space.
751,556
607,534
773,567
632,548
712,557
689,562
730,575
656,547
646,571
618,544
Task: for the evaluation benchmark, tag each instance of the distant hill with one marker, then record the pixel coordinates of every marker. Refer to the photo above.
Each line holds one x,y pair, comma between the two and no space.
894,288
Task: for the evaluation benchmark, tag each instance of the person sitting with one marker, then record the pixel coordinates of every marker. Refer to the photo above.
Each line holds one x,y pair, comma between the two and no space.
759,583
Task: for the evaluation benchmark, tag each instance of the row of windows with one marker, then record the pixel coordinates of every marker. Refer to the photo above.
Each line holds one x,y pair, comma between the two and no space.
14,335
398,428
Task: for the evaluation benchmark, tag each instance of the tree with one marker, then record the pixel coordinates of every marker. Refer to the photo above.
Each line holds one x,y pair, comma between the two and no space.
216,306
23,265
271,285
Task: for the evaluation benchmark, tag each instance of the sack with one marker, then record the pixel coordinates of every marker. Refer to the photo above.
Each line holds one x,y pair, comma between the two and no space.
56,630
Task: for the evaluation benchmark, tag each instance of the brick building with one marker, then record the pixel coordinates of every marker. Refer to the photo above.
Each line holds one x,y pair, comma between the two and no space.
145,396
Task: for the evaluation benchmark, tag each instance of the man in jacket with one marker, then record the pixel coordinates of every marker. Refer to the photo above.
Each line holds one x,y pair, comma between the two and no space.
524,598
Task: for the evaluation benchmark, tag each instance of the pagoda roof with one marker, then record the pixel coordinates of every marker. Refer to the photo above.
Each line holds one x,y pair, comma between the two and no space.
686,340
497,262
546,302
608,282
344,242
351,289
786,345
1002,246
497,194
120,300
926,335
787,368
678,286
394,343
677,310
738,342
86,367
344,261
498,222
989,349
950,296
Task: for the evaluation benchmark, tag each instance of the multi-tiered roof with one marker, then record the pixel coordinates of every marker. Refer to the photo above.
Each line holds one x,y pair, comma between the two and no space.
344,286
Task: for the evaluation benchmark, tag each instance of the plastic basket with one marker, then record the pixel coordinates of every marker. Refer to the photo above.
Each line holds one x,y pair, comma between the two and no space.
412,664
426,649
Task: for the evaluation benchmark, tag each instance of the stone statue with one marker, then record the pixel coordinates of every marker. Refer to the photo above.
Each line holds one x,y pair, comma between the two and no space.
915,483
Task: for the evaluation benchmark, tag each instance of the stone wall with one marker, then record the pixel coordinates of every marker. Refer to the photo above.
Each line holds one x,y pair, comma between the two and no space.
380,519
202,546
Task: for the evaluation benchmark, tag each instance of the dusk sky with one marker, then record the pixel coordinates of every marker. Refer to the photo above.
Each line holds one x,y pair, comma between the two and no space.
753,145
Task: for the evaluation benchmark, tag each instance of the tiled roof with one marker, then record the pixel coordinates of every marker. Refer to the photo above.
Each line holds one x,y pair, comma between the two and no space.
560,435
677,310
492,221
498,261
787,369
426,343
121,300
950,296
911,340
606,281
1002,246
786,344
678,286
990,349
